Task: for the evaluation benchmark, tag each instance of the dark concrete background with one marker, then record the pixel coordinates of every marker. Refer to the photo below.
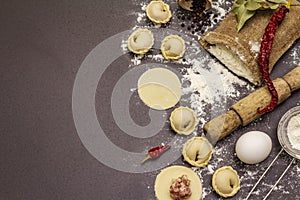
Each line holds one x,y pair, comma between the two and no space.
42,45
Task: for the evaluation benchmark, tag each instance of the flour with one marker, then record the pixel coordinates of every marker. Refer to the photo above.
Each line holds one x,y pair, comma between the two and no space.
142,15
211,84
254,48
293,131
209,88
295,55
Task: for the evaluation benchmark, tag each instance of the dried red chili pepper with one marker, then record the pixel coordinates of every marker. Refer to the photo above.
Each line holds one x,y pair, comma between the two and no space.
264,54
156,152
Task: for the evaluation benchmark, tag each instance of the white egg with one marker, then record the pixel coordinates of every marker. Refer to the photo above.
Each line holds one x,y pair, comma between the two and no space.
253,147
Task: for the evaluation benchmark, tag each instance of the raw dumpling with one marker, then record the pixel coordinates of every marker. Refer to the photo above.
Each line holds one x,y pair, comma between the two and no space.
226,181
140,41
183,120
158,12
197,151
172,47
166,180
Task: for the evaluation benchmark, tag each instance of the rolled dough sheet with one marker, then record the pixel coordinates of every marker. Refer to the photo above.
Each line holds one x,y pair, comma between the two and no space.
159,88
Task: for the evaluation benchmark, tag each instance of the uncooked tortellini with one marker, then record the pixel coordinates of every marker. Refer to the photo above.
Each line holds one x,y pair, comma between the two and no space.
158,12
172,47
140,41
183,120
197,151
226,181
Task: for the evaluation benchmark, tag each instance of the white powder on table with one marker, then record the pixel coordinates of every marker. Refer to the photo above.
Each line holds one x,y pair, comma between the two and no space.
210,87
293,131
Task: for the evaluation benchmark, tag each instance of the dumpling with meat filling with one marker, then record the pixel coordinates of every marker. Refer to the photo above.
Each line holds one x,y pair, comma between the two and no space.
158,12
178,182
172,47
197,151
140,41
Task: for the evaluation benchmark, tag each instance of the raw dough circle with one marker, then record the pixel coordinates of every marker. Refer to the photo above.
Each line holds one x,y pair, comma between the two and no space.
159,88
183,120
166,176
197,151
226,181
140,41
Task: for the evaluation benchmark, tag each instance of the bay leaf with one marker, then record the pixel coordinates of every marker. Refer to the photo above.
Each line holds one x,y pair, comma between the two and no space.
245,9
269,6
240,2
242,15
252,5
274,7
278,1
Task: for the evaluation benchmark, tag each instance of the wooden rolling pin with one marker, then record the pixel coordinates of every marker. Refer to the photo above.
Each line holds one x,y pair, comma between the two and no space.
245,111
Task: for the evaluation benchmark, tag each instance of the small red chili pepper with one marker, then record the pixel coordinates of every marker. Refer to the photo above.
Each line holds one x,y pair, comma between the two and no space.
264,54
156,152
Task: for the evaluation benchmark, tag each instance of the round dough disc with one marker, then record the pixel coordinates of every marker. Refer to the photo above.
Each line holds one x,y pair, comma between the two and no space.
159,88
164,181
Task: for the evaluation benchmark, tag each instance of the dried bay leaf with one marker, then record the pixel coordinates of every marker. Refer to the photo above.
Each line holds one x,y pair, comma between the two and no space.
278,1
245,9
269,5
242,15
252,5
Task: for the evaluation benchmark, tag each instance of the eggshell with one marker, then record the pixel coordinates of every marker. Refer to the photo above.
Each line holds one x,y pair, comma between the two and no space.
253,147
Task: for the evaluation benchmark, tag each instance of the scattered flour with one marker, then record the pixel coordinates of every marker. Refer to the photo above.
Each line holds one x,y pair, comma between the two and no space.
209,86
295,55
254,47
293,131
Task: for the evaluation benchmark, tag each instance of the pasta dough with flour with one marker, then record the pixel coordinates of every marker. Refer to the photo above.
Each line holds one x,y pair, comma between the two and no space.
159,88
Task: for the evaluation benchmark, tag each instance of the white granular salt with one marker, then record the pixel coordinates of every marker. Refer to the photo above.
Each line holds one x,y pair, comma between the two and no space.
293,131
